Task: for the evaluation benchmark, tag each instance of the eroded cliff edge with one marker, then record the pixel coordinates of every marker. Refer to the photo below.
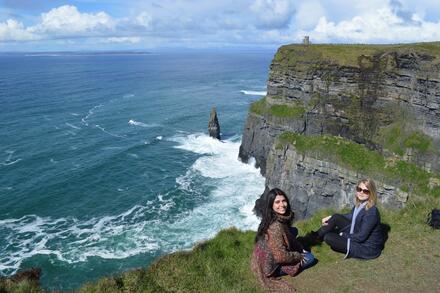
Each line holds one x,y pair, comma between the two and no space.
377,102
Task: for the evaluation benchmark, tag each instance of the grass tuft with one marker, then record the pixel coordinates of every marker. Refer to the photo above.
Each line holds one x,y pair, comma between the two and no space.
357,157
293,110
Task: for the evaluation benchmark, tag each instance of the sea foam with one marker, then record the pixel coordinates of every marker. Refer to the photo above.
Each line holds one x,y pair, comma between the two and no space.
254,93
137,123
223,188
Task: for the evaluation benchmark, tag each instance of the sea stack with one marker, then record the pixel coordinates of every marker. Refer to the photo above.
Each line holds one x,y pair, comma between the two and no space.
213,125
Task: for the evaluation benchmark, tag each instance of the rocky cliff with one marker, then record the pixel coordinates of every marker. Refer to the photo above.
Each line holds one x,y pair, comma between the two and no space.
385,98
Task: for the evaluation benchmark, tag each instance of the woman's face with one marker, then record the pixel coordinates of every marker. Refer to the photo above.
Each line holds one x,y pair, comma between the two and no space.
362,192
280,204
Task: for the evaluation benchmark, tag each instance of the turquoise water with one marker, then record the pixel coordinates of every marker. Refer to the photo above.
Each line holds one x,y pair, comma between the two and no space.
105,163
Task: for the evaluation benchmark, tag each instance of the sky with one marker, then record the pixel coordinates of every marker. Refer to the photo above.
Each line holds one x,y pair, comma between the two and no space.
56,25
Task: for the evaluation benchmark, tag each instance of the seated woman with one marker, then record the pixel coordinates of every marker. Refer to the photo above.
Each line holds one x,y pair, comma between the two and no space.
356,234
277,251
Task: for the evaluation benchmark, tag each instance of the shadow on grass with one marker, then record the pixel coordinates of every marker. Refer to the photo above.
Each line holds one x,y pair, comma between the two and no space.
385,228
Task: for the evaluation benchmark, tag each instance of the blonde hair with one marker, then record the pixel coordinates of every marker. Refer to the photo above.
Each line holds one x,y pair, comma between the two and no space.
372,199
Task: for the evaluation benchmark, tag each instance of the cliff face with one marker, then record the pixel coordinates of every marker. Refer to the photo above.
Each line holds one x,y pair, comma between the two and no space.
318,184
386,98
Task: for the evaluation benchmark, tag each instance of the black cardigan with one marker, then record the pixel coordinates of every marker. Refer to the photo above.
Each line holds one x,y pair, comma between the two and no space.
367,237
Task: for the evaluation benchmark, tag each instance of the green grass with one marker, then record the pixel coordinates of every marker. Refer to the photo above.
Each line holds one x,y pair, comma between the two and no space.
287,111
418,141
409,263
21,287
398,137
293,110
218,265
259,107
297,55
222,263
357,157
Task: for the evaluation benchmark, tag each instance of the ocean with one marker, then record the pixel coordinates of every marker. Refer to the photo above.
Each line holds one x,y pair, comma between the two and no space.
105,161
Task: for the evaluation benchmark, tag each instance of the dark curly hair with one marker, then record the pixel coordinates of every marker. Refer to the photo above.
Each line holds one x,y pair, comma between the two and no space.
269,215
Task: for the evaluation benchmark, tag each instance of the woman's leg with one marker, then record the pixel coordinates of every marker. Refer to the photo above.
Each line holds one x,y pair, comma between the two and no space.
334,224
336,242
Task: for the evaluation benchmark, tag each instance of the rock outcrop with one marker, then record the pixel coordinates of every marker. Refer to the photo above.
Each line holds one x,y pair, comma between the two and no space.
213,125
318,184
31,275
384,97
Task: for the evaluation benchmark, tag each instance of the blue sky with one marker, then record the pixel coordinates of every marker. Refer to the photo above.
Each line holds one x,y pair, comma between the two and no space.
53,25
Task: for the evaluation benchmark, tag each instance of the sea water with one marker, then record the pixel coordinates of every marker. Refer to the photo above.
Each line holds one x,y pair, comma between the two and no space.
105,163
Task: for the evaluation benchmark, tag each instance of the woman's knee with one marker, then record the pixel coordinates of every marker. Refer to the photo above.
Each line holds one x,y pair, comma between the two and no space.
337,217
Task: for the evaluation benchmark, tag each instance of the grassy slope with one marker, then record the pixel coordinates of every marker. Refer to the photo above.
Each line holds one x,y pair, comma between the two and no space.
347,54
409,263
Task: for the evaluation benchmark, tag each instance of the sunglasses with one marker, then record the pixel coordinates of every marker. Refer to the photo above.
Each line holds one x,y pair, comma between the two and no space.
365,191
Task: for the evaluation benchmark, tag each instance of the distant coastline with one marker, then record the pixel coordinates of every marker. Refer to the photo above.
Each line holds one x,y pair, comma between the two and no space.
76,53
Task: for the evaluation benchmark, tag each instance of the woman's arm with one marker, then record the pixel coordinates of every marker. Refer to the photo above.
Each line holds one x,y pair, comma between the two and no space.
277,245
369,221
349,215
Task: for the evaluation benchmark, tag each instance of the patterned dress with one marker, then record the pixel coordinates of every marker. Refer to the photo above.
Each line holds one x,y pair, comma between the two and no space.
278,251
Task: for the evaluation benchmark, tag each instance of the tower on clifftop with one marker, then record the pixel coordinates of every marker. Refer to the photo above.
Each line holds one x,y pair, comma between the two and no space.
306,40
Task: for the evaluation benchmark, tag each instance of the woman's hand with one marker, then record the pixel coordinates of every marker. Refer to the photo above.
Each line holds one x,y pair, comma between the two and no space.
303,258
325,220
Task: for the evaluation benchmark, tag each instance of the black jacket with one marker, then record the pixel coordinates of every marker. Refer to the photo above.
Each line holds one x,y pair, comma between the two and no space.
367,237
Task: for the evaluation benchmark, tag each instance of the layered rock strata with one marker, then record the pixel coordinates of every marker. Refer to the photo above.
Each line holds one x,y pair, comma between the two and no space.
384,97
317,184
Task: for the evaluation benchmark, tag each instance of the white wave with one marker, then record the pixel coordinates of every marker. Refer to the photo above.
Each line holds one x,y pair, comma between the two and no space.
70,132
136,123
74,114
90,113
9,160
127,96
109,148
109,133
71,240
254,93
72,126
159,137
10,163
152,227
237,186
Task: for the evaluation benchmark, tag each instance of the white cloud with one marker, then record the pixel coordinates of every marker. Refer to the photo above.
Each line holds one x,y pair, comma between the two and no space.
144,19
125,40
229,22
62,22
308,14
273,13
382,25
12,30
66,20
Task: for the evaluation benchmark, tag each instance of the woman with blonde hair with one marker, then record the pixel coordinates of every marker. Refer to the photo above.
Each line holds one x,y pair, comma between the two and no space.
356,234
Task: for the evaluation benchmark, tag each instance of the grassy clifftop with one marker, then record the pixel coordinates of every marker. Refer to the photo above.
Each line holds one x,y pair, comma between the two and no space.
409,263
348,54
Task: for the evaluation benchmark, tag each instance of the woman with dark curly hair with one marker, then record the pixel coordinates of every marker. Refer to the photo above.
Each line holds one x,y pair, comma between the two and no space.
277,252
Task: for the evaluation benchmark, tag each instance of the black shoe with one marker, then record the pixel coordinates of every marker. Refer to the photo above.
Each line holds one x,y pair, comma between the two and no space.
314,235
310,239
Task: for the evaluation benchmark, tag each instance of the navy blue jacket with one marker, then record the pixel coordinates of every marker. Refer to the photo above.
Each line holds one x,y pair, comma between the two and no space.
367,237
